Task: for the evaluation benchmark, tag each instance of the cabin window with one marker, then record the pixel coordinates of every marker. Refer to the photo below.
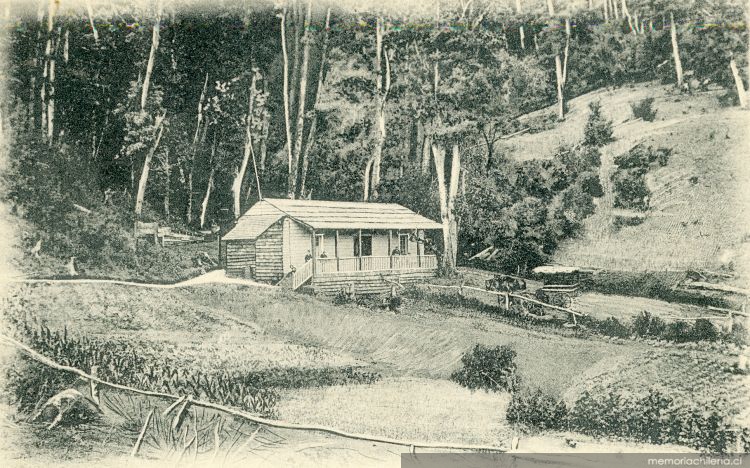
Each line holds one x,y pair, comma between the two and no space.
366,246
403,243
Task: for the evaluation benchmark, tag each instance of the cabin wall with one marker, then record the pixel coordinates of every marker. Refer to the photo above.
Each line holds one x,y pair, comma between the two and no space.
240,258
300,244
269,255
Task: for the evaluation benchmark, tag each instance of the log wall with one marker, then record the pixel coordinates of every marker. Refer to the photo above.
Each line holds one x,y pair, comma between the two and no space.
368,282
269,255
240,258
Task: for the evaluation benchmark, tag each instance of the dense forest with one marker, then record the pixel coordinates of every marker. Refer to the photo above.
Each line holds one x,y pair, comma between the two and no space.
187,116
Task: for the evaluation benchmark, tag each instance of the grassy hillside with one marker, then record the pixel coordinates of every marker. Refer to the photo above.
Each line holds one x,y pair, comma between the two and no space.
698,204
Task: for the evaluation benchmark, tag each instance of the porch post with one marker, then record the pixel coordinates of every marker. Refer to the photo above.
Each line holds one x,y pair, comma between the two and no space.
314,252
419,251
390,249
359,245
336,247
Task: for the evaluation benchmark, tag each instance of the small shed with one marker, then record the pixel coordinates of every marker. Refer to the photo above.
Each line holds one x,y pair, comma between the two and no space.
330,244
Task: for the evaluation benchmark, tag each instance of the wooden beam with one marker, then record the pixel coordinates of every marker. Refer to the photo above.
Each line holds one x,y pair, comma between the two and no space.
314,251
359,247
336,247
390,249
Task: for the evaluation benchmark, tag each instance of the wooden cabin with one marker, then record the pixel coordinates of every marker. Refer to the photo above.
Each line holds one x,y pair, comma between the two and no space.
330,245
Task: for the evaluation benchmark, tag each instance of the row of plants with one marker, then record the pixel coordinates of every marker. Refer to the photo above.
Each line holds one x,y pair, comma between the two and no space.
645,325
651,416
138,365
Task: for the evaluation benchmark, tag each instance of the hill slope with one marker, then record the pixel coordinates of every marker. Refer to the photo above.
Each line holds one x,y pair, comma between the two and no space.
699,200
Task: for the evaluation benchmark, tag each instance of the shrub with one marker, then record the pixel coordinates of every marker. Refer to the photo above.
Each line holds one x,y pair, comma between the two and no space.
643,109
704,330
647,325
612,327
630,189
537,409
598,130
488,368
679,332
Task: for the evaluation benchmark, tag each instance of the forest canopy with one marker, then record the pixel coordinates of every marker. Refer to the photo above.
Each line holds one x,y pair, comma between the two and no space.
190,115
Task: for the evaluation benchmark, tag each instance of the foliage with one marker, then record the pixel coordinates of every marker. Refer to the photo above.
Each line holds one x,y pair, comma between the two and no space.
612,327
488,368
704,330
647,325
629,180
598,130
537,409
644,109
679,332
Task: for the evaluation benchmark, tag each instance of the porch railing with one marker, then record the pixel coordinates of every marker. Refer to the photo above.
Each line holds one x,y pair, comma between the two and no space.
369,263
302,274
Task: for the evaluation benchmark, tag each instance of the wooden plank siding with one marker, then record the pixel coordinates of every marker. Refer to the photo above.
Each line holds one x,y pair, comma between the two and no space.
367,282
300,244
269,255
240,258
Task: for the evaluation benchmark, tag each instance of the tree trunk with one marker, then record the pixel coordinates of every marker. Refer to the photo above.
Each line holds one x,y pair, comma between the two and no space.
606,11
264,142
287,123
306,156
447,203
296,20
168,175
426,150
204,203
738,82
520,27
147,167
675,49
240,176
381,90
91,21
560,96
193,150
150,65
550,8
300,127
366,180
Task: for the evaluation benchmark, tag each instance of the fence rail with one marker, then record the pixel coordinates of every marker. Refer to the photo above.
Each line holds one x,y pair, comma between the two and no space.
376,263
31,353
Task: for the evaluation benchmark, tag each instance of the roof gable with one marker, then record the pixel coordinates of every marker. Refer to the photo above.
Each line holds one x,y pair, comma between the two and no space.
320,214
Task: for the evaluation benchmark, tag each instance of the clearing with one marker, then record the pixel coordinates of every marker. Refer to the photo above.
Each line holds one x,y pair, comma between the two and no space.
414,351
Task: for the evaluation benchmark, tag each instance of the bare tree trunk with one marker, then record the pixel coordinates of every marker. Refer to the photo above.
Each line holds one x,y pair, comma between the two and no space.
626,14
193,150
287,123
151,60
738,82
300,127
91,21
614,10
366,180
550,8
240,176
318,92
426,151
520,28
675,49
147,167
382,90
296,20
264,142
447,196
560,96
206,197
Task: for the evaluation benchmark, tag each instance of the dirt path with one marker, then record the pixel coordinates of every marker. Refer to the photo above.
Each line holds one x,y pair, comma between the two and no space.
212,277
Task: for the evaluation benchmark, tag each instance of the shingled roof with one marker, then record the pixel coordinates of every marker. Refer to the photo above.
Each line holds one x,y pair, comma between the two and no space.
319,214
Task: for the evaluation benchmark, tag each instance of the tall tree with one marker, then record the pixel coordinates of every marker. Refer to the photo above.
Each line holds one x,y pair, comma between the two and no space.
675,49
300,126
382,88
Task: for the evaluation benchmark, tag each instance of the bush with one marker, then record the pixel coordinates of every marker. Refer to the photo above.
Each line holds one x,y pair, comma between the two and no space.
630,189
643,109
704,330
598,131
488,368
537,409
646,325
612,327
679,332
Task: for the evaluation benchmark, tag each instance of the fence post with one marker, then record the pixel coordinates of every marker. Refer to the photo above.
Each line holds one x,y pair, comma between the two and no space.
93,386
